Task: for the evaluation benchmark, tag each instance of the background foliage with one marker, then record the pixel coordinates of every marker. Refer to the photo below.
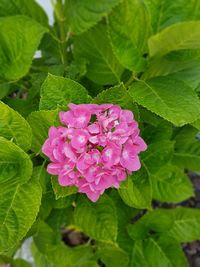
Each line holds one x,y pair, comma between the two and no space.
143,55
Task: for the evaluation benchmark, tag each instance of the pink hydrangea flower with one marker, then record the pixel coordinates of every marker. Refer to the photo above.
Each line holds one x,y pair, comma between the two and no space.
5,265
96,148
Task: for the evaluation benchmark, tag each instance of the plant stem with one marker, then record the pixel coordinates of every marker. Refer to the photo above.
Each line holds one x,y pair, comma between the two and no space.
60,18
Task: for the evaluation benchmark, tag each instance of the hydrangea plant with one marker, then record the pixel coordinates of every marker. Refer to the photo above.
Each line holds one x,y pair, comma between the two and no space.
99,127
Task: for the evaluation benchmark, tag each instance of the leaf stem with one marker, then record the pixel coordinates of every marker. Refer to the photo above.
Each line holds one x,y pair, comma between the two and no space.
131,79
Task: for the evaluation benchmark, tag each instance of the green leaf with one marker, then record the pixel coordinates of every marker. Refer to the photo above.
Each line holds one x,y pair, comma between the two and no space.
14,126
88,264
4,89
165,13
170,184
82,15
137,257
186,224
40,122
40,174
77,69
149,224
62,191
60,218
188,159
164,252
46,206
98,220
22,7
184,35
112,255
149,117
182,224
18,195
40,259
16,53
162,132
45,237
196,124
20,263
156,253
58,91
155,158
37,80
24,199
168,98
129,39
124,215
185,137
94,46
49,202
63,202
135,191
187,149
64,256
15,164
180,65
23,106
189,75
50,49
117,95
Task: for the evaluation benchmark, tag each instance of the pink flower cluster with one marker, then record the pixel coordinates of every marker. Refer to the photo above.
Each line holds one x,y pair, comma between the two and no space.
7,265
95,149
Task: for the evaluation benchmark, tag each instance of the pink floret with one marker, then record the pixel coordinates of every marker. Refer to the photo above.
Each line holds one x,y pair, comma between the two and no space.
96,148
